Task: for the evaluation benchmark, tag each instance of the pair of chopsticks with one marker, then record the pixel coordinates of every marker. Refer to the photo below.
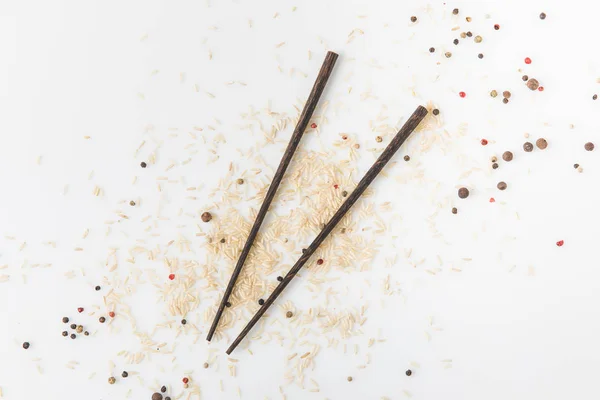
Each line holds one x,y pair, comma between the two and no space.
383,159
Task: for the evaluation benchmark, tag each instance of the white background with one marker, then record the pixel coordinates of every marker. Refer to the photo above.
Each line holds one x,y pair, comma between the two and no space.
519,322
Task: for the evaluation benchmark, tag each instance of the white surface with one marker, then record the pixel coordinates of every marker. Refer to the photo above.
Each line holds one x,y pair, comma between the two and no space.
519,322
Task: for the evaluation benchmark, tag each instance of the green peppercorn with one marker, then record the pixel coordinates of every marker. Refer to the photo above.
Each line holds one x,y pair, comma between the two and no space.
448,54
493,93
478,39
112,380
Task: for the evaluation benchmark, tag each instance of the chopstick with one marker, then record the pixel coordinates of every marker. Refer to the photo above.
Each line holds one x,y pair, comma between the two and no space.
383,159
309,108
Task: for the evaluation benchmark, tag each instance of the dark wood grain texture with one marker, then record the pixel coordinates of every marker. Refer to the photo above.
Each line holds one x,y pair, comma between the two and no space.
383,159
303,121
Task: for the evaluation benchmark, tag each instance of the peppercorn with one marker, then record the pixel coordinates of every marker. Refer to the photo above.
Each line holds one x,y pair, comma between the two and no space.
124,374
495,165
289,314
455,11
73,326
143,164
480,55
543,16
25,345
494,159
478,39
73,336
97,288
533,84
101,319
493,93
261,302
455,41
80,309
468,19
469,34
432,49
541,143
206,216
454,210
501,185
525,78
240,181
435,111
589,146
448,54
344,193
349,379
413,19
222,240
79,329
506,94
313,125
528,147
496,26
463,192
111,314
167,398
575,166
185,380
505,100
408,372
378,139
595,97
227,304
65,320
406,158
280,278
132,203
462,94
163,389
86,333
484,142
65,333
112,380
205,365
157,396
507,156
183,321
320,261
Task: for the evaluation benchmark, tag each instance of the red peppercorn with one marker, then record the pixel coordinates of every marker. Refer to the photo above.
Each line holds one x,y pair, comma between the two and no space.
541,88
462,94
319,261
560,243
527,60
313,125
80,309
492,200
111,314
171,276
484,142
185,380
336,186
496,26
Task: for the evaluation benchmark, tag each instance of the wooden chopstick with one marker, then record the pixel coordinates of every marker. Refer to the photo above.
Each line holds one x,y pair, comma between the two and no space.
303,121
383,159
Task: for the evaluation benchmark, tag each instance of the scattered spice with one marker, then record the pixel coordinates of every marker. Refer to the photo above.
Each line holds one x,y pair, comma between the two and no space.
206,216
541,143
26,345
478,39
378,139
432,49
468,19
205,365
528,147
492,200
541,89
280,278
183,321
73,326
507,156
320,261
448,54
480,55
455,41
496,27
112,380
469,34
86,333
595,97
73,336
463,192
227,304
80,310
344,193
79,329
505,100
525,78
455,11
501,185
65,333
589,146
495,166
97,289
185,380
408,372
575,166
506,94
533,84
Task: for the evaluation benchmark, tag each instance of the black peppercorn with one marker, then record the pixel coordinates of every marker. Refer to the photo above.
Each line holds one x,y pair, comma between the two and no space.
525,78
183,321
25,345
495,165
65,333
528,147
65,320
406,158
143,164
289,314
595,97
496,27
102,320
435,111
455,41
413,19
505,100
455,11
575,166
454,210
480,55
501,185
543,16
157,396
124,374
167,398
206,217
408,372
261,302
227,304
344,193
97,288
463,192
86,333
132,203
163,389
432,49
280,278
73,336
73,326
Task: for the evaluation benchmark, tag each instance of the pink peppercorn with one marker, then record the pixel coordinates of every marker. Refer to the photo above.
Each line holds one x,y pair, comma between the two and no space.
185,380
541,88
560,243
111,314
527,60
80,309
313,125
492,200
171,276
484,142
319,261
462,94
